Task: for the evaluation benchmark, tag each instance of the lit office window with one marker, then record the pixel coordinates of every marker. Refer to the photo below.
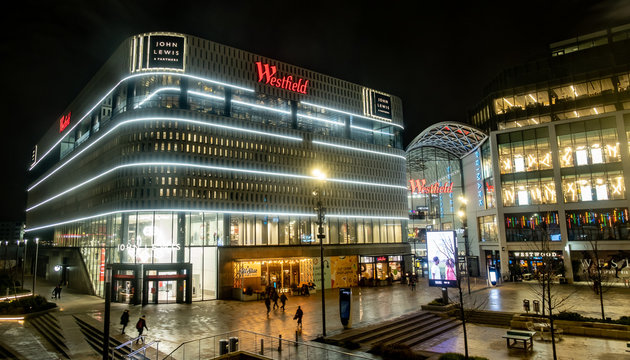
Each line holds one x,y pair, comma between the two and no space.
602,192
519,164
596,155
585,192
523,199
581,158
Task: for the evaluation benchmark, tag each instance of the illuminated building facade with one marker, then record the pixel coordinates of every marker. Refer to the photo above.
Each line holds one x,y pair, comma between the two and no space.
559,155
187,166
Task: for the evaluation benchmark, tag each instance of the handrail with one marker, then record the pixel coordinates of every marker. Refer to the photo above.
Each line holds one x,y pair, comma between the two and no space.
128,342
143,348
269,336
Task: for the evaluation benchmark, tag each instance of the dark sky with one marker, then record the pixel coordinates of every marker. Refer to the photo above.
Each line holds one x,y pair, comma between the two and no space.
437,58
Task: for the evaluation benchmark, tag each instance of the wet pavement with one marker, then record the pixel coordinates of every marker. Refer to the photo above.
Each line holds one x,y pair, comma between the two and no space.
174,324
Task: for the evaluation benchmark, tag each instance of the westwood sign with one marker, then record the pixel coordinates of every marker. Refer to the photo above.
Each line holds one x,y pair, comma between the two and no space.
267,74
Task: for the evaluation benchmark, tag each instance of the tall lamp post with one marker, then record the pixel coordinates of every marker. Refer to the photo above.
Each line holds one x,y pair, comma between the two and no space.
35,268
321,213
24,261
462,215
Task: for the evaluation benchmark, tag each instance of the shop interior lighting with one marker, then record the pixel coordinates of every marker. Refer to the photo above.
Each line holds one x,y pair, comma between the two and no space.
509,103
596,112
351,114
116,86
533,98
574,92
268,214
209,96
534,121
130,121
575,113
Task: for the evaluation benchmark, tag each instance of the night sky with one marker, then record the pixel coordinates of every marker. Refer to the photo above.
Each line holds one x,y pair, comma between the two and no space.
437,58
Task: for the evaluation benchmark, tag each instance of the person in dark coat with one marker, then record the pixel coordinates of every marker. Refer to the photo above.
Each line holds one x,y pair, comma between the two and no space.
274,297
268,305
141,325
124,320
283,300
298,315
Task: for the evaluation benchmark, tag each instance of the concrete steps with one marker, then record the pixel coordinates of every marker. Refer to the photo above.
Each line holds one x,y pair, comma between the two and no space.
496,318
48,326
410,330
6,353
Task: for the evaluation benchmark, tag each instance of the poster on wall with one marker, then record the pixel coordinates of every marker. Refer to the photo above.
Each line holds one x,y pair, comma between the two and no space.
344,271
442,258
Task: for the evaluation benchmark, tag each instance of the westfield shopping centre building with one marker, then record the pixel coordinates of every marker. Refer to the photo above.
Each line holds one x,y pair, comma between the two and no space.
187,167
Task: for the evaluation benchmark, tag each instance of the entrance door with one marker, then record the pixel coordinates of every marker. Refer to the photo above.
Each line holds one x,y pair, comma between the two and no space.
124,291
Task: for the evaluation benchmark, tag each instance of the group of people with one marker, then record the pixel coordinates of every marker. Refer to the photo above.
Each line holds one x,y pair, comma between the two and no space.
140,325
443,270
272,295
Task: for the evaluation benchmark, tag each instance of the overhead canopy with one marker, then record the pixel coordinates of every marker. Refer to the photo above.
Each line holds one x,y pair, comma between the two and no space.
456,138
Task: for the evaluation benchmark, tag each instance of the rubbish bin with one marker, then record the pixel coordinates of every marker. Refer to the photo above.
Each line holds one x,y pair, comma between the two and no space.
233,343
526,305
536,306
223,346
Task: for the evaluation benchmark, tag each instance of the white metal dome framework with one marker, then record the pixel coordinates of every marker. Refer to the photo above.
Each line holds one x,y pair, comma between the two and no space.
456,138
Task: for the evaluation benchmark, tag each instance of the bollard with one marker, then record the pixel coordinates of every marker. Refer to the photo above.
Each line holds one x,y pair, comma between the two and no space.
296,338
280,343
262,347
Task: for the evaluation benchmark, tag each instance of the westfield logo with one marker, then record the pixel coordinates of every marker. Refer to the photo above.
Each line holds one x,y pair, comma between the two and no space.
420,187
267,74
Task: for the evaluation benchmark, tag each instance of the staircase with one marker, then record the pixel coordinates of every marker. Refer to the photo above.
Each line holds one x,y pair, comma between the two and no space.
48,326
495,318
409,330
6,353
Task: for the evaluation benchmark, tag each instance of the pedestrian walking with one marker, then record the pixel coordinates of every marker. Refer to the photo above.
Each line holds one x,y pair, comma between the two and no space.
275,297
283,300
141,325
124,320
413,283
59,291
268,305
298,316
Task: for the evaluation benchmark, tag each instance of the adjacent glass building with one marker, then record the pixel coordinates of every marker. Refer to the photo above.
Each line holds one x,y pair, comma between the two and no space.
560,152
186,167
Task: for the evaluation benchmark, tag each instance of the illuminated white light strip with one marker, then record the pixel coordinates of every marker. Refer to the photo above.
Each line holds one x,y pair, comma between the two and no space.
533,98
155,93
161,118
351,114
509,103
370,130
358,149
120,82
215,97
209,167
320,119
261,107
210,211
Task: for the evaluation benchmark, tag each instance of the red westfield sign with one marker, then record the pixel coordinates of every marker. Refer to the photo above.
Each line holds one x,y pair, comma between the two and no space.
267,74
64,121
420,187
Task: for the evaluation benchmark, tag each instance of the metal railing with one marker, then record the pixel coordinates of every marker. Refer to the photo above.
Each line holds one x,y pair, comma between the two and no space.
265,345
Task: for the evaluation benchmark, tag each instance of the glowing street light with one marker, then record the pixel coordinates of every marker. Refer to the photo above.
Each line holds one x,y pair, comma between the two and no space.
321,213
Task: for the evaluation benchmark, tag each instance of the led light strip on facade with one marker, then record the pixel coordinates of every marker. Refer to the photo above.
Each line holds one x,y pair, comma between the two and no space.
370,130
155,93
262,107
215,97
116,86
196,122
357,149
192,211
320,119
351,114
208,167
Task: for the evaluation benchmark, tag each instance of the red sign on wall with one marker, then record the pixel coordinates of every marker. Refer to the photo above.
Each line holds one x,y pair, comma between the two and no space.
102,265
267,74
64,121
420,187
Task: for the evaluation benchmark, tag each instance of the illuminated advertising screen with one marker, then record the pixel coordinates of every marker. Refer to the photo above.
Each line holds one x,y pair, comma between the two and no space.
442,258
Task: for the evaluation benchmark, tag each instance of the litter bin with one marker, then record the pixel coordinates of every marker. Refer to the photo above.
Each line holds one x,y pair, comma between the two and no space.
233,344
536,306
526,305
223,346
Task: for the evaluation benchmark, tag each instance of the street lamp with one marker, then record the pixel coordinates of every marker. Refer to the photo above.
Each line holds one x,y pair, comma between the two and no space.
321,213
35,268
462,215
24,261
6,247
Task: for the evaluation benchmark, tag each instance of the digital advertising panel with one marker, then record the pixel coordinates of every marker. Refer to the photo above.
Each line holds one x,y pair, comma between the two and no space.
442,258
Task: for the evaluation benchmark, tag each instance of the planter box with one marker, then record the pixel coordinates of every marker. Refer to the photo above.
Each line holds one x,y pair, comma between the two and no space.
583,328
238,294
440,308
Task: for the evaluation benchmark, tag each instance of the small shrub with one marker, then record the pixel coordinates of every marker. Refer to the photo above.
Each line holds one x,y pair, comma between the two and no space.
25,305
438,302
571,316
395,352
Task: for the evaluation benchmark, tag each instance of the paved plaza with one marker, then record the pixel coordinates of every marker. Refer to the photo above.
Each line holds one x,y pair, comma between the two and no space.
174,324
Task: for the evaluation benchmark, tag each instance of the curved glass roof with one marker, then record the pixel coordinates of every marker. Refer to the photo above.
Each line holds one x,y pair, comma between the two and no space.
456,138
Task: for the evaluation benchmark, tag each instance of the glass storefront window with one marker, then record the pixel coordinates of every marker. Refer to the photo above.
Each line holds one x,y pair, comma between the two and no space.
601,224
588,142
488,228
531,226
